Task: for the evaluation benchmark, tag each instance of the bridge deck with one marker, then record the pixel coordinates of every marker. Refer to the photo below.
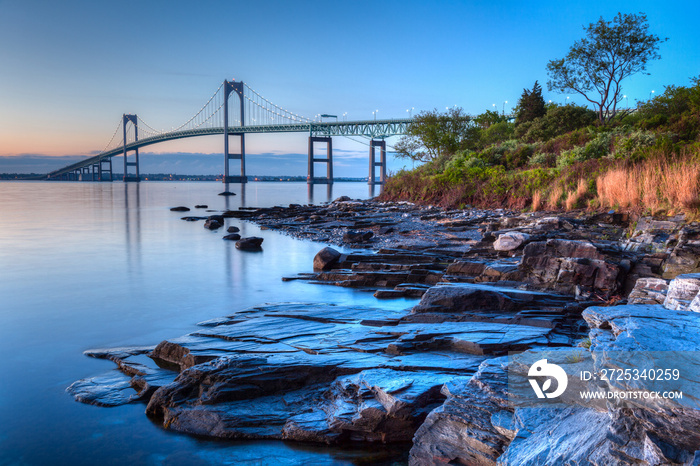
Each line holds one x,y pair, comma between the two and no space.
370,128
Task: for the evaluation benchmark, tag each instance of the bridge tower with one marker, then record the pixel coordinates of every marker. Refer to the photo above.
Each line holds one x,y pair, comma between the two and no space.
372,162
238,88
136,177
311,179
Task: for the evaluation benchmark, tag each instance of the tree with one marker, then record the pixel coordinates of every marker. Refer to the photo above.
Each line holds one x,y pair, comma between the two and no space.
596,65
434,135
531,105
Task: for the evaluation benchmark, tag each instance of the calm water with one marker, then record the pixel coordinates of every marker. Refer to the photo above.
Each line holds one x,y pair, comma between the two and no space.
89,265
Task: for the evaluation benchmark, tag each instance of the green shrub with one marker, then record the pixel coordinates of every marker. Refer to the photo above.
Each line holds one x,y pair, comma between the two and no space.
497,132
520,156
559,120
633,145
543,159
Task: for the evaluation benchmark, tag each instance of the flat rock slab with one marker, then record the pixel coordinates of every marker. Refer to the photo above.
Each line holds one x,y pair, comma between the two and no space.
643,327
309,372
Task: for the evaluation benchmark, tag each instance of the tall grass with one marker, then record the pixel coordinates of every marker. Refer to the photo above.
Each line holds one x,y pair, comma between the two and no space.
554,196
656,183
573,197
536,201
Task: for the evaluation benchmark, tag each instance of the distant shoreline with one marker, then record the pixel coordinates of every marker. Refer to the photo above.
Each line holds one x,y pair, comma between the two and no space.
168,177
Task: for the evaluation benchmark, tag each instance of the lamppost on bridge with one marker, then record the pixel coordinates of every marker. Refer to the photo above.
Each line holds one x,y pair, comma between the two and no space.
345,116
627,101
651,94
375,114
410,112
504,107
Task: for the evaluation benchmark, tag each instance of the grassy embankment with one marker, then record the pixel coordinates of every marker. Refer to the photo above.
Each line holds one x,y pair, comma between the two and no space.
647,161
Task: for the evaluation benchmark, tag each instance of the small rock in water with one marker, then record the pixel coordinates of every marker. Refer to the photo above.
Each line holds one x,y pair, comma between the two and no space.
212,224
180,209
251,243
233,237
233,229
325,258
227,193
201,206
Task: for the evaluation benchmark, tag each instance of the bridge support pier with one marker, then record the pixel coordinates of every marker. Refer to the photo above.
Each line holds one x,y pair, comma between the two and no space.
105,169
372,162
135,163
237,87
240,156
311,179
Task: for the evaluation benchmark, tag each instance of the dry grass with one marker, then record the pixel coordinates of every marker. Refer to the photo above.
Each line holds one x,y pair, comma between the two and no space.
536,201
672,183
554,196
582,187
573,197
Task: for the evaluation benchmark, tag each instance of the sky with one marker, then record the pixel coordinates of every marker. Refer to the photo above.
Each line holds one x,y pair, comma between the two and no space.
70,69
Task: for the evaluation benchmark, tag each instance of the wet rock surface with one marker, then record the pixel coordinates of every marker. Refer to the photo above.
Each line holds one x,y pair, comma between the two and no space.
436,375
252,243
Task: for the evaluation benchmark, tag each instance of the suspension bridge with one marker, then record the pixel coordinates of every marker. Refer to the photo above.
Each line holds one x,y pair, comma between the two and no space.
254,114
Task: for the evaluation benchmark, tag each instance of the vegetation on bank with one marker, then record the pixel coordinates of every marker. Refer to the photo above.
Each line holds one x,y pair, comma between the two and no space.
563,156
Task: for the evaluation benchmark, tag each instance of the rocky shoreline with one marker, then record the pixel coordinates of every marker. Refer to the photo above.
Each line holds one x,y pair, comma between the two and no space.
436,376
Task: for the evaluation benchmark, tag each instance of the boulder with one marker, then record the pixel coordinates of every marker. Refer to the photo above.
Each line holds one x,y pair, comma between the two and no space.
473,425
648,290
685,256
233,237
251,243
458,299
682,291
352,236
568,265
233,229
562,248
326,258
510,241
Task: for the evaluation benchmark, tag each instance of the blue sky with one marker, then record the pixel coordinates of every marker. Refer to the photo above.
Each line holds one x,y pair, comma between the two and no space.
70,69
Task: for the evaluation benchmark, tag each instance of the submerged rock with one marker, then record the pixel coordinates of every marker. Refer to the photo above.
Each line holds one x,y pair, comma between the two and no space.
180,209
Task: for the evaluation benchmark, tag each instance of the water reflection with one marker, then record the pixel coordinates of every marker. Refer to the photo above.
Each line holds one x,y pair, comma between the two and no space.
312,188
118,268
132,224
